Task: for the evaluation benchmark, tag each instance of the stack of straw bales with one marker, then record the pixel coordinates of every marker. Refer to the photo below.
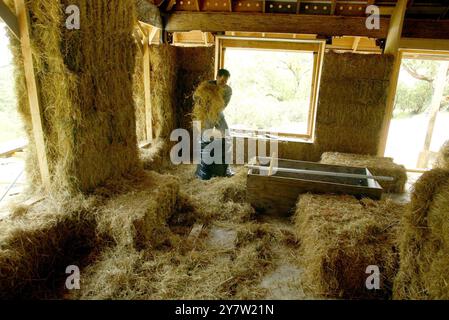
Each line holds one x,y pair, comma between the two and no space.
36,248
38,243
340,237
424,247
351,102
85,82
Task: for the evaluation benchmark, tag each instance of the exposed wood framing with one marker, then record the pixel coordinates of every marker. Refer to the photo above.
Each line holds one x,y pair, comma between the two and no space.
32,90
355,44
429,29
298,6
438,89
333,6
315,46
277,23
10,18
395,28
147,87
391,47
424,44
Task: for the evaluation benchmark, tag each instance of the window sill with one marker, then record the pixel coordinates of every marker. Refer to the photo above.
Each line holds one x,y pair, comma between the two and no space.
272,138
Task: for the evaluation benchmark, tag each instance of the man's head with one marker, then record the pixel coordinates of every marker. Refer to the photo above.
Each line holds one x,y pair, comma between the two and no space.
223,76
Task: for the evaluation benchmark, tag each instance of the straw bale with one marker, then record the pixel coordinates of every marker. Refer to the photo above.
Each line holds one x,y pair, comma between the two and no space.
443,157
424,244
36,248
351,102
138,217
340,237
84,77
209,102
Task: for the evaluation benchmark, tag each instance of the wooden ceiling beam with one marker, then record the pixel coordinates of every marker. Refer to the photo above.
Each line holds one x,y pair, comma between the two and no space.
323,25
426,29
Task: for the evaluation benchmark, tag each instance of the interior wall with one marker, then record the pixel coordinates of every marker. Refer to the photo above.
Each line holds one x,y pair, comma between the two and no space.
175,73
351,102
351,107
194,65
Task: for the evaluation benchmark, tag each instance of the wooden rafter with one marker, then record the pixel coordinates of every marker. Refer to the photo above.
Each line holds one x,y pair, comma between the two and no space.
147,87
298,6
33,92
426,29
277,23
395,28
10,18
333,6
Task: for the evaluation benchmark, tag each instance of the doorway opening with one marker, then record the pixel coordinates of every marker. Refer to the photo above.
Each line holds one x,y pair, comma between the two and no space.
419,126
12,134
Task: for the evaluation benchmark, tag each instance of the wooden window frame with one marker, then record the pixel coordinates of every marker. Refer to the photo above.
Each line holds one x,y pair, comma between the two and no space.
296,45
410,49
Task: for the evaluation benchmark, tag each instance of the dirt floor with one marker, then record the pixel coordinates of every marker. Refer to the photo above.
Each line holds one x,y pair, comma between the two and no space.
279,276
219,248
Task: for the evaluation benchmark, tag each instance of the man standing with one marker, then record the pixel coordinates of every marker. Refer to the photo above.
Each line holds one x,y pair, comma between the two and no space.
223,76
204,171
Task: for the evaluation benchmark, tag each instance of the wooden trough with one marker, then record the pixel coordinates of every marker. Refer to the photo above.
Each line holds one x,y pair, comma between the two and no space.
274,189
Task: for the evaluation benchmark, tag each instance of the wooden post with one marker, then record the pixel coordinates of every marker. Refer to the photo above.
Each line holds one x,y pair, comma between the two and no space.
395,28
438,91
147,87
33,93
392,47
298,6
333,6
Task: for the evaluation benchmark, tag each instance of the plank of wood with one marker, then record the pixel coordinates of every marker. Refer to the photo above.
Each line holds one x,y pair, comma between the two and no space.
33,92
318,172
9,148
394,79
439,84
424,44
195,232
395,27
392,47
355,44
9,18
323,25
147,87
278,195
